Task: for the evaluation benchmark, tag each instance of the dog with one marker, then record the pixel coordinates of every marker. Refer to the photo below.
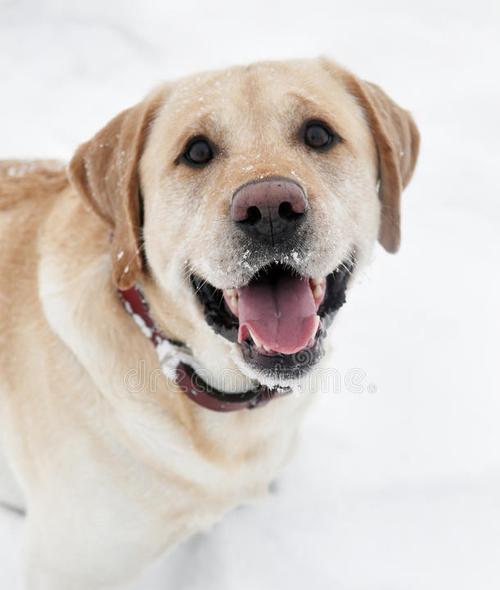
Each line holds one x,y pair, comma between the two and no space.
166,299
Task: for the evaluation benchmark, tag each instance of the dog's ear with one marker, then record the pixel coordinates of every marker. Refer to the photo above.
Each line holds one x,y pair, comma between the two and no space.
105,171
397,141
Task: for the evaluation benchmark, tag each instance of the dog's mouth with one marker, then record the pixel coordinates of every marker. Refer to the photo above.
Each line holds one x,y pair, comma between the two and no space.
279,318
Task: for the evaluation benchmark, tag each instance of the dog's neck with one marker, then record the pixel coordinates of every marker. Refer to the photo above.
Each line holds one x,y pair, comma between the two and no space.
178,363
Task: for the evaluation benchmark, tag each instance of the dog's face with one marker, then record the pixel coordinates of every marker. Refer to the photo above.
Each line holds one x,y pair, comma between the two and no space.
261,190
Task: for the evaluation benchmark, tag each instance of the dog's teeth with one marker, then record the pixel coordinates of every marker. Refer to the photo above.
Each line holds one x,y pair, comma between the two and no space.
318,292
317,284
256,341
318,320
231,297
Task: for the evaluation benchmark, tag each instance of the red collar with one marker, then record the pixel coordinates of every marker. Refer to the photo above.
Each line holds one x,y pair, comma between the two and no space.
186,377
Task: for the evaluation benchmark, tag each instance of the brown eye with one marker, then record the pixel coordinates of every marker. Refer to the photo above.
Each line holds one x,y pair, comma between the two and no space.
198,152
318,136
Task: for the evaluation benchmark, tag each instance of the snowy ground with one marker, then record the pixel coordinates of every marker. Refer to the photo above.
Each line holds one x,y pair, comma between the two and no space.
393,490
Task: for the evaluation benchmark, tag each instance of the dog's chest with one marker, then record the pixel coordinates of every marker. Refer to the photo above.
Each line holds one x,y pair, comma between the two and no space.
194,490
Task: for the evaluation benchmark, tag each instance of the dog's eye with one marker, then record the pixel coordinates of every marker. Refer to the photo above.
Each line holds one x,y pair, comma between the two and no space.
198,152
319,136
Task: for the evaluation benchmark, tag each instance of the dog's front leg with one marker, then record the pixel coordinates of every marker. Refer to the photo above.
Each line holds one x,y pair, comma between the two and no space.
57,557
44,570
38,578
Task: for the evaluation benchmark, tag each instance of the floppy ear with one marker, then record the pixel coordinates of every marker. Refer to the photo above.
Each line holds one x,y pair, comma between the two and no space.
397,141
105,171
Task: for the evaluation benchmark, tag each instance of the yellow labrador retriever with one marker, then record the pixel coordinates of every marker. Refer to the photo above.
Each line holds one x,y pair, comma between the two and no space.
165,303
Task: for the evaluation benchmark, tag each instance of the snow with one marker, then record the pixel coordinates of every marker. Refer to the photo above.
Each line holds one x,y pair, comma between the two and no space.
396,487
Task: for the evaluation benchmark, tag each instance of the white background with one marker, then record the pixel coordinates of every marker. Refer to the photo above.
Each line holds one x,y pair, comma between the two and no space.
393,490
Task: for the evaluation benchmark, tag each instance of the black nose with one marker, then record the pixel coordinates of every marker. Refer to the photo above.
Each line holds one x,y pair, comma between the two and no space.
269,210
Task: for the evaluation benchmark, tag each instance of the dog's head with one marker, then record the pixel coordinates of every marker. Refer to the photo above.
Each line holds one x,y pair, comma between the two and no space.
248,197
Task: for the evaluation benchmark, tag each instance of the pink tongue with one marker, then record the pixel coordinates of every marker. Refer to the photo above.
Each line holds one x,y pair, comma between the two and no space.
281,313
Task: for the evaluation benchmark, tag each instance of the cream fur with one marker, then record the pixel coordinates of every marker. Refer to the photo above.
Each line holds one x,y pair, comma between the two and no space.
113,477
